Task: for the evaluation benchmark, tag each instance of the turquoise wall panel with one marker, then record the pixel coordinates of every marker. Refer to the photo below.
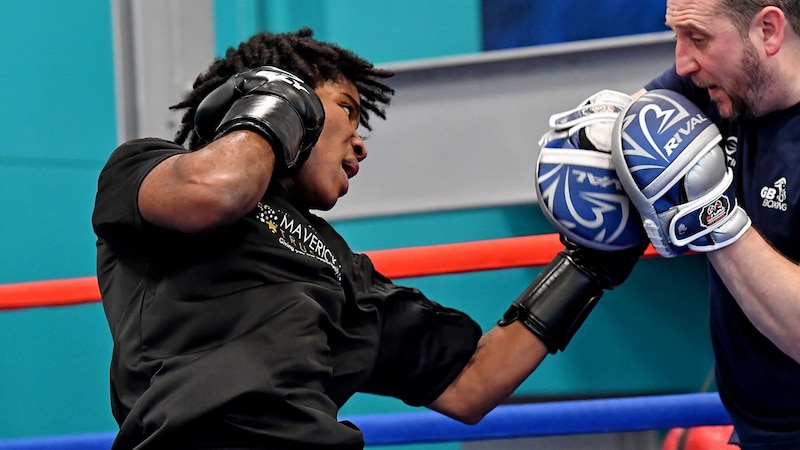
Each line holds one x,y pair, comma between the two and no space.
59,124
381,31
411,230
57,81
55,371
47,229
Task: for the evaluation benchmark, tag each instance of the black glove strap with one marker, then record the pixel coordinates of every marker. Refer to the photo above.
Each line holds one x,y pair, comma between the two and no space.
556,303
275,119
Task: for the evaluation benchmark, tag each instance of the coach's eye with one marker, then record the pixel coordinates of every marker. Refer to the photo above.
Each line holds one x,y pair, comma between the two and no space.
698,40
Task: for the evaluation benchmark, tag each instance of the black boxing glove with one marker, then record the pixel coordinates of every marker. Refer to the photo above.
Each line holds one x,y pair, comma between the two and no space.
275,103
558,301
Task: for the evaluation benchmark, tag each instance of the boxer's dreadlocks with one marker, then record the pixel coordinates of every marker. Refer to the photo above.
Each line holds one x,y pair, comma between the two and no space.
314,61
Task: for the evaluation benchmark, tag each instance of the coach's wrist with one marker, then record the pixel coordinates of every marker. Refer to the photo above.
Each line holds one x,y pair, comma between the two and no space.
735,226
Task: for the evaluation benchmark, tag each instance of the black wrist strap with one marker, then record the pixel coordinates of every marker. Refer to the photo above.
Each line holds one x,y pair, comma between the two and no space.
272,117
556,303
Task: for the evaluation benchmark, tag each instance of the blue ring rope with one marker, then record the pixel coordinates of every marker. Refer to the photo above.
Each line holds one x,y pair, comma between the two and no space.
504,422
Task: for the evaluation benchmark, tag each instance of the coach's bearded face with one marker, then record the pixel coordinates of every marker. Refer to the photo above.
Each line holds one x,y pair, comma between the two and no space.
746,88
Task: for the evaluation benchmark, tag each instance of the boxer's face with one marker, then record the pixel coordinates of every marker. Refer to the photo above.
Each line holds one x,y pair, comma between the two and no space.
336,156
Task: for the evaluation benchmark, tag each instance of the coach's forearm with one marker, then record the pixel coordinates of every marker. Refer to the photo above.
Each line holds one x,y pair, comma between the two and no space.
764,283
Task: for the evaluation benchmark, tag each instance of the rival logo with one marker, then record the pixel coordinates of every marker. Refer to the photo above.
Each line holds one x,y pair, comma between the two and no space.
657,126
715,211
582,176
687,130
588,202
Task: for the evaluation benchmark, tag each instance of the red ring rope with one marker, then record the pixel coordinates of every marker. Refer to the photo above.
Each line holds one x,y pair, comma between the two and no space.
49,293
492,254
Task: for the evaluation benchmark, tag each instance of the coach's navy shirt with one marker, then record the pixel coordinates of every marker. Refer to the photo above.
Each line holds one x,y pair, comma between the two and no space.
758,383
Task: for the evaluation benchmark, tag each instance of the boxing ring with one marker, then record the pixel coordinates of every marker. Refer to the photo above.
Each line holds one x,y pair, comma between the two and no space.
553,418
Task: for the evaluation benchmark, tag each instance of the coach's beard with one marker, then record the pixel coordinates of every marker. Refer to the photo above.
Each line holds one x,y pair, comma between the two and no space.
753,85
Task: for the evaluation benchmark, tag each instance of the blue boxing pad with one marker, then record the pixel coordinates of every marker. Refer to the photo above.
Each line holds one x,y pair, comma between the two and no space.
578,188
669,161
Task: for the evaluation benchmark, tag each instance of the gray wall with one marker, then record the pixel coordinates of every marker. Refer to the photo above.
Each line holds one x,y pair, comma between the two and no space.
463,132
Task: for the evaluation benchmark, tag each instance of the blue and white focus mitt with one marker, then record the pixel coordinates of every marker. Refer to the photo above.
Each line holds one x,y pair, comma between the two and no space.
668,158
578,188
581,196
